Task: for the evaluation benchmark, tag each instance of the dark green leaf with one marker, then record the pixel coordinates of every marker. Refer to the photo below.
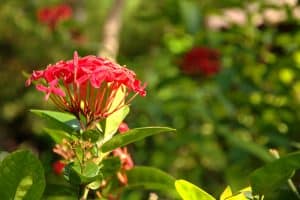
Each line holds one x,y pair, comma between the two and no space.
189,191
91,135
60,197
271,176
58,191
151,178
134,135
110,166
59,120
21,177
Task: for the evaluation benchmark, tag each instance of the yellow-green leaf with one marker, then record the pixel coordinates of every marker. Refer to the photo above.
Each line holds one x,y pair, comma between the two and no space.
189,191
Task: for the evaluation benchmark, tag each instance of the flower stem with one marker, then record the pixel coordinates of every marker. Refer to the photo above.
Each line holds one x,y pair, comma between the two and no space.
294,188
85,193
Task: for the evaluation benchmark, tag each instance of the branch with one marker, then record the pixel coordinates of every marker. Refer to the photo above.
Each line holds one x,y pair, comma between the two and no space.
111,30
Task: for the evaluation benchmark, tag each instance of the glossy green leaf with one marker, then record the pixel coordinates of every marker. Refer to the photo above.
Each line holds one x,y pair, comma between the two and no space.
134,135
151,178
273,175
57,135
21,177
59,120
189,191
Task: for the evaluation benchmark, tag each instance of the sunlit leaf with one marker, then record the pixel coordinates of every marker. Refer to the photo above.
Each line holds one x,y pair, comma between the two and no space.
240,195
226,193
113,122
189,191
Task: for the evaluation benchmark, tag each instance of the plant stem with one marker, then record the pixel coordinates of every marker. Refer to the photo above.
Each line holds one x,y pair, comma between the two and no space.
294,188
85,193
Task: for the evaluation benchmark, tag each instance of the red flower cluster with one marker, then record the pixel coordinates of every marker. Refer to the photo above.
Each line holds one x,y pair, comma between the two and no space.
58,167
51,16
201,60
90,86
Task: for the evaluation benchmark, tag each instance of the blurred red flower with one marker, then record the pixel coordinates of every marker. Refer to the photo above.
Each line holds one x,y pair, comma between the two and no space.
201,60
123,127
58,167
126,163
90,86
51,16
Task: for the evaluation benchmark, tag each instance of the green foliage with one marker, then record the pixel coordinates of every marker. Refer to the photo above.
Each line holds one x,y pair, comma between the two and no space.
275,173
78,174
134,135
110,166
255,96
21,176
91,135
151,178
59,120
189,191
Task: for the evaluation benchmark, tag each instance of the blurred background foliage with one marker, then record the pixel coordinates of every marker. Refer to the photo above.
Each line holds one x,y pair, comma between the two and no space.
226,120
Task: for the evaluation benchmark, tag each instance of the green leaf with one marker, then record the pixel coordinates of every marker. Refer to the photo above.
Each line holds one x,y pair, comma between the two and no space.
59,120
151,178
77,174
91,135
113,122
59,190
270,177
57,135
21,176
110,166
133,135
189,191
54,197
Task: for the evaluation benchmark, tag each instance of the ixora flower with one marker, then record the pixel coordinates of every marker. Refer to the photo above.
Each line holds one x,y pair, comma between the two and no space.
201,60
58,167
51,16
126,163
90,86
